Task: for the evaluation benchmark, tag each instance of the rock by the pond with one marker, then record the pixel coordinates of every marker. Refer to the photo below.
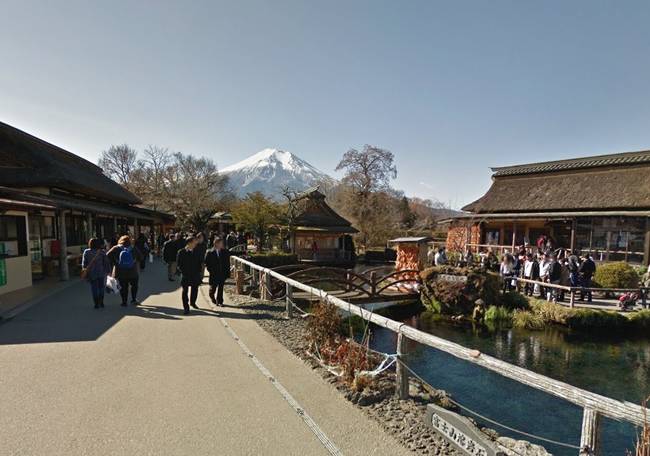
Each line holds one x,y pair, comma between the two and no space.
514,447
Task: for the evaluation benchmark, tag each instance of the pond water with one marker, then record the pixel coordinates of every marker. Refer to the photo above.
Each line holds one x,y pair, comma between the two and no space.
615,367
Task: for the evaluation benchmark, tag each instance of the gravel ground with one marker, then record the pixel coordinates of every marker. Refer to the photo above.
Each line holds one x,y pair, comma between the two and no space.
404,419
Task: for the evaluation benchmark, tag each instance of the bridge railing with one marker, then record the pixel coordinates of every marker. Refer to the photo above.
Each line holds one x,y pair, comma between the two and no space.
594,405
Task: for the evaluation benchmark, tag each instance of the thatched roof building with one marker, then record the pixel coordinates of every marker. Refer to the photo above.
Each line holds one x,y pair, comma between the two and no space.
598,204
606,182
319,234
51,203
27,161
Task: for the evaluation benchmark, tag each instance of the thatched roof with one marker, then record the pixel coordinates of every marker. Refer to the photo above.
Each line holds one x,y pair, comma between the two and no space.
319,216
595,161
27,161
623,184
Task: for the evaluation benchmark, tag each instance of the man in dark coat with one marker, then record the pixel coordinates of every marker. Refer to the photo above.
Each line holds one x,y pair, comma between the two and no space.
189,264
169,253
217,261
587,270
199,250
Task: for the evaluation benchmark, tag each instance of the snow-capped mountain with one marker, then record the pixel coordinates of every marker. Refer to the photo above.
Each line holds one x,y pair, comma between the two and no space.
269,170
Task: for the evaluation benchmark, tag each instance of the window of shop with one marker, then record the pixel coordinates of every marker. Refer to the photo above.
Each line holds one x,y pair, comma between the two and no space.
76,230
13,235
612,238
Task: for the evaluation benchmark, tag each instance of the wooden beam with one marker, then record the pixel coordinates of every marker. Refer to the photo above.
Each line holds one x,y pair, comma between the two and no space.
590,433
289,299
401,373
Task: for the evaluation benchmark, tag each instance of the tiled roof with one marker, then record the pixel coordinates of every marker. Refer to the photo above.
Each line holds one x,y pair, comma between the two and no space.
622,159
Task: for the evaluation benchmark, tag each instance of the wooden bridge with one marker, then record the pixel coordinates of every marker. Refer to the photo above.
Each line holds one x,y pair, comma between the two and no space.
359,287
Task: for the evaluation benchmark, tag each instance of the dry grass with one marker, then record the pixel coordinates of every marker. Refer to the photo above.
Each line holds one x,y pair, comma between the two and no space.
643,439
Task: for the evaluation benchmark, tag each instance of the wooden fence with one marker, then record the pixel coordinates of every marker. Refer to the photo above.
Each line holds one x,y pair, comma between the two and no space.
594,405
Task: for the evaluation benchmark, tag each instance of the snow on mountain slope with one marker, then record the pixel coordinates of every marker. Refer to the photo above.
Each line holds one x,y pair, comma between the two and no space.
271,169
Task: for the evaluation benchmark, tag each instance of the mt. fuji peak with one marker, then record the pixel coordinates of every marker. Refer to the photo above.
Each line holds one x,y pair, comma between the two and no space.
271,169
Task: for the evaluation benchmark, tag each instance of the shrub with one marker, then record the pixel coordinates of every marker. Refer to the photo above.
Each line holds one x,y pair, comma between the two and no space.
616,275
640,320
514,300
324,326
498,315
458,297
550,312
527,319
584,319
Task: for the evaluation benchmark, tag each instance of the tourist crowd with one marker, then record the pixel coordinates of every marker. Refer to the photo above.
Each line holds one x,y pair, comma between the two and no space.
546,266
115,264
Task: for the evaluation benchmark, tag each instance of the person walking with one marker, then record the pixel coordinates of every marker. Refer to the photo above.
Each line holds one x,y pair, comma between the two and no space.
531,272
189,265
506,271
440,258
554,277
169,253
143,248
95,267
125,258
217,261
200,249
587,270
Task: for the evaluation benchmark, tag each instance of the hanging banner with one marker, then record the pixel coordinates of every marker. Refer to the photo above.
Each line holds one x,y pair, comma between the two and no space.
3,266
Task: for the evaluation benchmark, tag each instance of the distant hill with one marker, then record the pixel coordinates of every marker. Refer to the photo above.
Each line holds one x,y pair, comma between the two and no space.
271,169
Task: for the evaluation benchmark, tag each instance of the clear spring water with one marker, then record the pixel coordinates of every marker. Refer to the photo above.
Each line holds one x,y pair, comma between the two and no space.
612,366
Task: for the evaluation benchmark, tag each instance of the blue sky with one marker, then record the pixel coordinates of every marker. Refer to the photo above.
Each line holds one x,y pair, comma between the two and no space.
450,87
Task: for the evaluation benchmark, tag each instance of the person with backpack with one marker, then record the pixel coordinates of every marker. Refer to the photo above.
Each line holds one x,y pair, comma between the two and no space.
125,260
217,261
190,266
95,267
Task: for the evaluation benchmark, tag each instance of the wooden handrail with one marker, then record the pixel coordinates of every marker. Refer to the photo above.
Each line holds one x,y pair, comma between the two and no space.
612,408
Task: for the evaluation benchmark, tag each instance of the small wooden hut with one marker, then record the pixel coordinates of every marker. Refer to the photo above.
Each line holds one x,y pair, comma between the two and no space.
320,235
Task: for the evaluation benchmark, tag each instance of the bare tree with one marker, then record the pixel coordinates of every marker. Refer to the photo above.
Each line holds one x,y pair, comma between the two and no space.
156,161
193,189
367,173
119,163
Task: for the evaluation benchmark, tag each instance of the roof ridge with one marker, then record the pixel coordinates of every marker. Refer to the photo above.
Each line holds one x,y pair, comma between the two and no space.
592,161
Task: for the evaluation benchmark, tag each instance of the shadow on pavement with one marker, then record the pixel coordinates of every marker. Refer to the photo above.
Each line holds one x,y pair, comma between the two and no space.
69,315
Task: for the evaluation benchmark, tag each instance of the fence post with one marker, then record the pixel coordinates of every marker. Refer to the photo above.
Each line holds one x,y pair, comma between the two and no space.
289,299
401,374
590,433
572,300
267,287
348,287
373,283
239,279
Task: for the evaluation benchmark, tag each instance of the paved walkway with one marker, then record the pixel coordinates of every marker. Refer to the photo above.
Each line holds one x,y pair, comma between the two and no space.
150,381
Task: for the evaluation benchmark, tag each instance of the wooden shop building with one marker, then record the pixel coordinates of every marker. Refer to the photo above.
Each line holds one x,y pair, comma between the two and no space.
51,203
598,204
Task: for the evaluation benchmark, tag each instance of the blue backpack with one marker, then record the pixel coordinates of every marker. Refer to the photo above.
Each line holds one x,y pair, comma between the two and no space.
126,260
